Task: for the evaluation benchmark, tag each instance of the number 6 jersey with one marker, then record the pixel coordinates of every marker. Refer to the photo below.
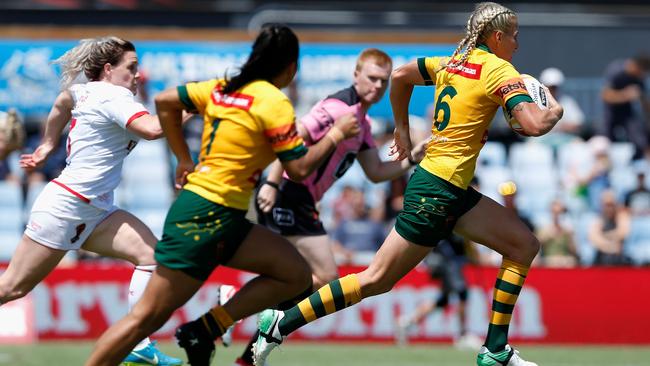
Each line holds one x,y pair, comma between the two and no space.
466,99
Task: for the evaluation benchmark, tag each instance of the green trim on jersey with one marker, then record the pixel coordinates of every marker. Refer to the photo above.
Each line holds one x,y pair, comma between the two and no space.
185,99
423,71
484,48
512,102
293,154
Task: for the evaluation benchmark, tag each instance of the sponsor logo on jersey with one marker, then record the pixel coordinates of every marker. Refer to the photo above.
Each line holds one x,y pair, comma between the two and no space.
510,87
468,70
281,135
236,100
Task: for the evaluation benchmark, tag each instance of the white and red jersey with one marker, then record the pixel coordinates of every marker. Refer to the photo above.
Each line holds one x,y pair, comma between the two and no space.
318,121
98,140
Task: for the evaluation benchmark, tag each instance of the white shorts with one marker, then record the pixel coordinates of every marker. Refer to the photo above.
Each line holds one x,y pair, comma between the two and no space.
60,220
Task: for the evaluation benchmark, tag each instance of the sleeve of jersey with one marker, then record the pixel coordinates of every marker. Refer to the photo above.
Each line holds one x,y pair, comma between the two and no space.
280,131
321,118
427,67
505,86
124,109
195,96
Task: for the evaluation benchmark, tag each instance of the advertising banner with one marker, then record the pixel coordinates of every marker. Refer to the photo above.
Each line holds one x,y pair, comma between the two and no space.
29,81
572,306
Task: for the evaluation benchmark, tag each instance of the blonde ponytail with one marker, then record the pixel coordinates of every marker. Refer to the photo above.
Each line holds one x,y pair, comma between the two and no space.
90,56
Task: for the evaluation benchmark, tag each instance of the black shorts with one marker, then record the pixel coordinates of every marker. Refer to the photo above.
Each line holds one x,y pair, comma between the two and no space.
294,212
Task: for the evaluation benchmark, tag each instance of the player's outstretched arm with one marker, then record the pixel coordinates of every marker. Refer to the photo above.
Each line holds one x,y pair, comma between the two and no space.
403,79
170,113
57,119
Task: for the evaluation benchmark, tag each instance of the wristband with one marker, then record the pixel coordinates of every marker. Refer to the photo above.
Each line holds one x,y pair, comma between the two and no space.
272,184
412,162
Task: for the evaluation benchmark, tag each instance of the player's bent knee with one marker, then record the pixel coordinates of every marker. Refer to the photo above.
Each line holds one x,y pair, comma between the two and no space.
533,247
144,256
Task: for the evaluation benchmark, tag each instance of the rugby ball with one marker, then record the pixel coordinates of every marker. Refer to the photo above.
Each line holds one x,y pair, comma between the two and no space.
537,92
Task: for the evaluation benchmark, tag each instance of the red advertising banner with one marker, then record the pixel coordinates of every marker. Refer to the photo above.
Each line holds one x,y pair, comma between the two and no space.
591,305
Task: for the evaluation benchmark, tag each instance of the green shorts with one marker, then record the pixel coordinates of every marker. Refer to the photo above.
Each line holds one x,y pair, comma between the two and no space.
432,206
199,235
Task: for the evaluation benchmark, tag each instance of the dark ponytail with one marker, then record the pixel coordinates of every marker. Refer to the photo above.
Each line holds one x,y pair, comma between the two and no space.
275,48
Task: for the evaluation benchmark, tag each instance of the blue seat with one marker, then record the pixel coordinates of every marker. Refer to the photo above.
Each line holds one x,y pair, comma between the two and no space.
11,201
637,245
8,242
493,154
153,218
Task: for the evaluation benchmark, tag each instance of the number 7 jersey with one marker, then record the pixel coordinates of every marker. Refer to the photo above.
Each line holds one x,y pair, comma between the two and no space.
466,100
243,132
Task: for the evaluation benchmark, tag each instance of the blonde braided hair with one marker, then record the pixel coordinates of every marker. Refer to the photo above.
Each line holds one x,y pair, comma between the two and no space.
487,17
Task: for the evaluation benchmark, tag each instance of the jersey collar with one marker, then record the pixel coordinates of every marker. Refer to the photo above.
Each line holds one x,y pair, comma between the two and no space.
484,48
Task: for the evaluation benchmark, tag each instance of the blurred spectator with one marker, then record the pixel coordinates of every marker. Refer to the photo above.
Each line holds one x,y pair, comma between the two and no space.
12,133
596,179
609,231
569,127
342,207
637,201
557,239
356,233
8,144
627,106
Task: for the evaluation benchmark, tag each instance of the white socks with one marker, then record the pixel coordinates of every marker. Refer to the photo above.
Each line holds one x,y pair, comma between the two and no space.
139,280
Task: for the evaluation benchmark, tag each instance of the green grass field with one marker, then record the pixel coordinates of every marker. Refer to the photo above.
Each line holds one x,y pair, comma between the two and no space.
74,353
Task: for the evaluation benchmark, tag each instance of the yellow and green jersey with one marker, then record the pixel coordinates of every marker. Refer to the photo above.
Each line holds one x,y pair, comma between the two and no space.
466,99
243,132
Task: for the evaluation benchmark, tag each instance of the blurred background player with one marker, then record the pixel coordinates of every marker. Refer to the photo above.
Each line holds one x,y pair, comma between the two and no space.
445,263
470,86
76,209
248,122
